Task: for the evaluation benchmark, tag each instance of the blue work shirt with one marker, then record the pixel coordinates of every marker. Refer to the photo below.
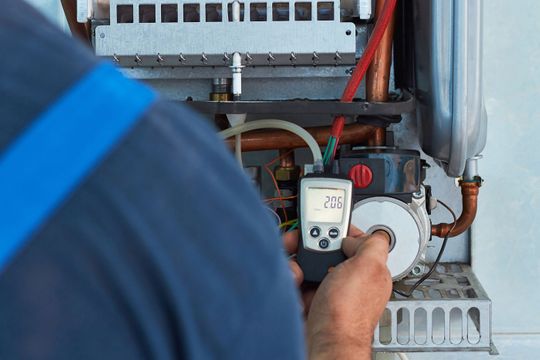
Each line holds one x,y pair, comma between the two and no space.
163,252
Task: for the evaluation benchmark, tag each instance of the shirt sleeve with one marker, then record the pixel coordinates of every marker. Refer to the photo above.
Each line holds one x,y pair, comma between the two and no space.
165,246
164,252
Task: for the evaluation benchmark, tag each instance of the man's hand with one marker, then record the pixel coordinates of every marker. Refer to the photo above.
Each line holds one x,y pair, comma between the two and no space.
344,310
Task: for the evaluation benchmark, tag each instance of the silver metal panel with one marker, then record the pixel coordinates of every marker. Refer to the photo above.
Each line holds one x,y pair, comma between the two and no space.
450,312
451,112
212,43
300,73
279,83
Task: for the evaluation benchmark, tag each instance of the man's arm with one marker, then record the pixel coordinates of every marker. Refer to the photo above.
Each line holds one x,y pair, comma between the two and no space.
164,251
344,310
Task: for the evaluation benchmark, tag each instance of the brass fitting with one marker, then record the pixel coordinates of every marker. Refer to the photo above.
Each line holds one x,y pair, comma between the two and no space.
287,173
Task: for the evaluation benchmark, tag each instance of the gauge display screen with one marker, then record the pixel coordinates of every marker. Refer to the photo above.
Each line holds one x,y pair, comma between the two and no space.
325,205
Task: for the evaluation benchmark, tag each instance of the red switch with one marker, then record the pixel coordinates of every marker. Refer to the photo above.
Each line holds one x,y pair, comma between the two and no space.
361,175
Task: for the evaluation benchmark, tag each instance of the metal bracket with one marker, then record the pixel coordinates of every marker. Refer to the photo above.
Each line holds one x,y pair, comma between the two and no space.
387,110
450,312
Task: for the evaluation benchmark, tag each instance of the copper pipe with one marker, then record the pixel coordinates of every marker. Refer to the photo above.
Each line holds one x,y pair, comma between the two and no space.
378,138
378,74
279,139
469,193
77,29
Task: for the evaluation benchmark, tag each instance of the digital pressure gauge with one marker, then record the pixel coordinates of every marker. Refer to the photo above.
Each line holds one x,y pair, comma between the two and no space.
324,213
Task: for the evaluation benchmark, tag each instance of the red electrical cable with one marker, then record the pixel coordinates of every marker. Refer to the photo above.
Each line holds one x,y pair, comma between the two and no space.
374,40
361,67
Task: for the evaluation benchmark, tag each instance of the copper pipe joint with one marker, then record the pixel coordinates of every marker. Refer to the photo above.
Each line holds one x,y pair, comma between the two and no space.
286,158
469,193
279,139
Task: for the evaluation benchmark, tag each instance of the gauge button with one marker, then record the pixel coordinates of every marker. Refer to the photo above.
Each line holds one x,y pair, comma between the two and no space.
315,232
333,233
324,243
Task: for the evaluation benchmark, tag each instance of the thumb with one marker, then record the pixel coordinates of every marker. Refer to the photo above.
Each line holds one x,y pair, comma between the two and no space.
350,244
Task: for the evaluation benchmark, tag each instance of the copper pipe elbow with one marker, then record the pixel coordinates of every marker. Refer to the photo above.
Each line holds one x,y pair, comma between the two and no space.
469,193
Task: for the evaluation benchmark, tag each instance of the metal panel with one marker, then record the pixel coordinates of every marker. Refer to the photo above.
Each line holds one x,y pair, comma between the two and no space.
385,113
206,43
450,312
82,11
448,55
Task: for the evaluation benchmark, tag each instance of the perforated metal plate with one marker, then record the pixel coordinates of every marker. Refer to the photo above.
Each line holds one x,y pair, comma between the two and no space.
450,312
305,37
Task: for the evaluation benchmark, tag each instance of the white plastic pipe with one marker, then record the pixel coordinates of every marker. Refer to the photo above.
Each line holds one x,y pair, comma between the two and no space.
282,125
238,149
235,120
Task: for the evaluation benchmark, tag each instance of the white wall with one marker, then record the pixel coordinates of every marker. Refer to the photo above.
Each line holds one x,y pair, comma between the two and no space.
506,244
506,252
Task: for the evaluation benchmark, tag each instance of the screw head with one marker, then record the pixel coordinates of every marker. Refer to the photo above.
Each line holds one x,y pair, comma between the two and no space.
417,270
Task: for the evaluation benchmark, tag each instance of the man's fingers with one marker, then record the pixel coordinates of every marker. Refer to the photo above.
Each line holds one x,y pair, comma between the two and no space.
308,292
351,244
298,275
378,241
354,231
290,241
353,241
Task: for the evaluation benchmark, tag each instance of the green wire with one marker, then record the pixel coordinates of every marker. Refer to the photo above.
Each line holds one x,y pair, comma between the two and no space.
325,155
329,150
334,141
288,223
295,225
